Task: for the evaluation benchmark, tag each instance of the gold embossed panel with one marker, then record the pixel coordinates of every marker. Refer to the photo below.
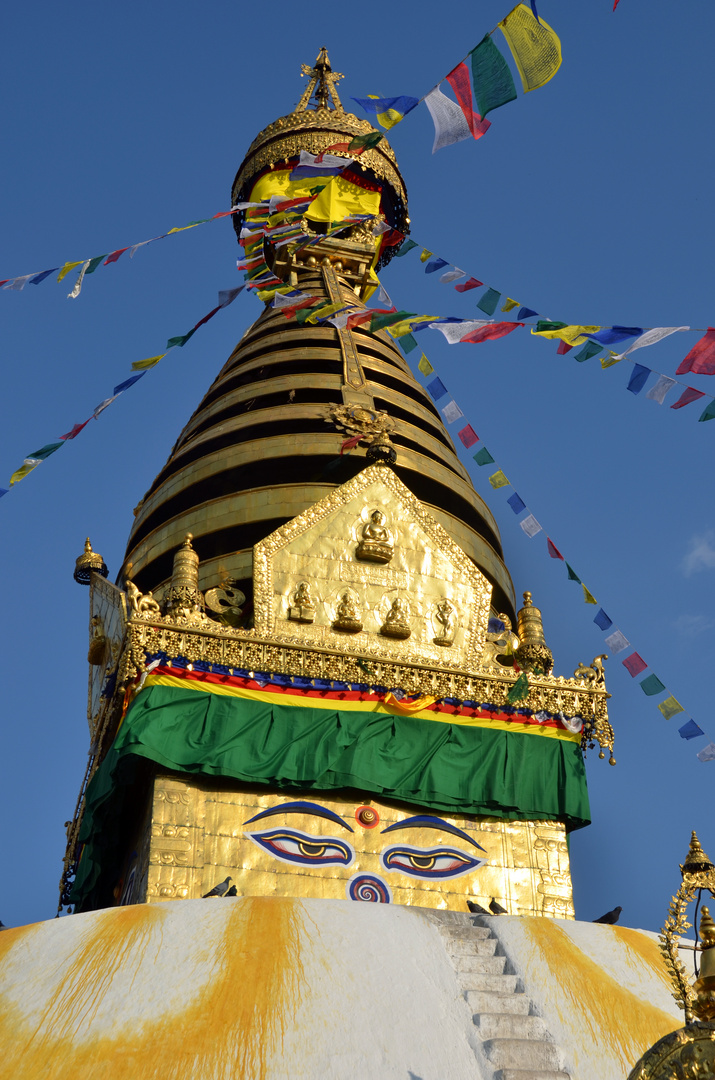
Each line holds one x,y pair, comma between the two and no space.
107,626
343,849
367,570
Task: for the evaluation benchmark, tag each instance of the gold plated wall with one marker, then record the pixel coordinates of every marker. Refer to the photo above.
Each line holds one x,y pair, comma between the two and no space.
199,834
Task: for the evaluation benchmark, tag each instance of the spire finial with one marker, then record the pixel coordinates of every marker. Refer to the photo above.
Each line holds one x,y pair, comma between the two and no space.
322,83
90,562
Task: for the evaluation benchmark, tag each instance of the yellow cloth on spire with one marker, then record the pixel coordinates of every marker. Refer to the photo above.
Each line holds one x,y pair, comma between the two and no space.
409,707
67,267
572,335
534,45
339,199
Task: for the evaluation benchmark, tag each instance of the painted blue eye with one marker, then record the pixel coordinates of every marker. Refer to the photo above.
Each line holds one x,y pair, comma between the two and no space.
435,863
296,847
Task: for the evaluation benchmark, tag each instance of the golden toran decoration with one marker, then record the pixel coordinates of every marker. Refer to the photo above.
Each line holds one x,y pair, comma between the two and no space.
689,1053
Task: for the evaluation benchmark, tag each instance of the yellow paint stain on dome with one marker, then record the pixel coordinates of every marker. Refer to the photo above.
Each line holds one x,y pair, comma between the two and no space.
230,1028
590,1001
646,949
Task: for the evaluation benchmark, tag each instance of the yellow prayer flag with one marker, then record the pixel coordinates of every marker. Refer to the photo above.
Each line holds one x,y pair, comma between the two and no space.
424,365
142,365
339,199
509,304
498,479
183,228
534,45
426,255
611,359
67,267
670,707
572,335
28,465
324,312
389,118
587,596
399,329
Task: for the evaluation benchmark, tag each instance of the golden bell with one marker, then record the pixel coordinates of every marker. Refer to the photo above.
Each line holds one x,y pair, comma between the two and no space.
90,562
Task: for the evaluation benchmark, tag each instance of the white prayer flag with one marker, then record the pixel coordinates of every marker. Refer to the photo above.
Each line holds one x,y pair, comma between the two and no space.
455,331
103,405
452,412
288,300
227,296
78,283
18,284
708,753
383,298
651,336
341,321
452,275
617,641
530,525
657,393
450,125
327,161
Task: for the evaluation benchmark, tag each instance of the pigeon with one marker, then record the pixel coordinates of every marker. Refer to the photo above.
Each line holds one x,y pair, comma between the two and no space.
233,891
497,909
218,890
610,917
2,925
476,909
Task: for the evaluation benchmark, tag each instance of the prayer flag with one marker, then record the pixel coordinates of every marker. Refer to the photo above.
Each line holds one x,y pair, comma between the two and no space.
571,334
634,664
472,283
688,395
425,255
489,301
177,228
563,348
27,466
610,335
179,341
509,304
17,284
534,45
650,337
708,753
310,165
45,451
455,331
588,597
617,641
120,251
516,503
150,362
75,430
483,457
638,379
437,389
590,349
458,79
658,392
498,479
364,142
670,707
127,383
408,343
378,322
519,690
435,264
45,273
572,575
404,247
553,550
78,283
104,405
3,491
452,412
451,275
350,444
424,365
530,526
450,125
701,358
526,313
601,620
610,360
708,412
323,312
690,730
97,260
389,111
493,84
495,626
227,296
468,436
69,266
489,332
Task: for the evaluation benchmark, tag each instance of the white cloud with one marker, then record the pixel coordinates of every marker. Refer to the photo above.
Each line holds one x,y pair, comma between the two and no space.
701,555
690,626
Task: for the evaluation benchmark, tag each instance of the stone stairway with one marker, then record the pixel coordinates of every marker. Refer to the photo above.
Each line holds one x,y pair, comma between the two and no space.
515,1042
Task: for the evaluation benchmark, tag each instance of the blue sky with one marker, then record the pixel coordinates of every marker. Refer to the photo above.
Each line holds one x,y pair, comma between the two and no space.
588,200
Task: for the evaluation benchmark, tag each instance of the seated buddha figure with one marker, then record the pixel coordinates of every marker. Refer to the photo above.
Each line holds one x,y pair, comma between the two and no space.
396,624
347,617
302,609
376,543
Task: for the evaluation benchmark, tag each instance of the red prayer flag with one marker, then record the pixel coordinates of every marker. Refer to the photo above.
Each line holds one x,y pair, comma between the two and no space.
114,256
350,444
458,79
489,332
701,358
75,430
207,317
468,436
336,146
553,550
365,316
563,348
634,664
688,395
467,285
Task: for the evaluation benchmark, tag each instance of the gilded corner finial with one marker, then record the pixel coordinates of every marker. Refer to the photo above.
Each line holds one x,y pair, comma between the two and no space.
90,562
322,83
183,599
696,861
533,654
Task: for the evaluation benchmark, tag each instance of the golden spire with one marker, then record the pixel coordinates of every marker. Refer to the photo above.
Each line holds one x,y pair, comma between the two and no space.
322,83
90,562
696,861
533,652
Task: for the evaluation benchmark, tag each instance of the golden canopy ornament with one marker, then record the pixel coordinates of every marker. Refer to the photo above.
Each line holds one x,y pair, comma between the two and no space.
90,562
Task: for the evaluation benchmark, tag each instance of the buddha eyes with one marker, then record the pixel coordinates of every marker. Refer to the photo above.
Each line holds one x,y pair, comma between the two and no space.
437,862
297,847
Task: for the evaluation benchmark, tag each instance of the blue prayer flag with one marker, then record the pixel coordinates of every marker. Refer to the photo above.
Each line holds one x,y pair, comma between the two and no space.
602,621
41,277
3,491
638,378
516,503
437,389
690,730
495,626
612,334
402,104
128,382
435,264
526,313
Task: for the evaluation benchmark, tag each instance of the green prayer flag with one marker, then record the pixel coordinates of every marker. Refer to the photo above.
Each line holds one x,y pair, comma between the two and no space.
365,142
94,263
652,685
377,322
424,365
405,246
483,457
488,302
519,690
408,342
573,576
708,413
543,326
180,340
493,84
591,348
45,451
670,707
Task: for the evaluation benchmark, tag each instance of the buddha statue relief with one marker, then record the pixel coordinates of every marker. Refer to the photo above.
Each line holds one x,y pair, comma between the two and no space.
396,623
445,617
376,544
347,616
302,609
